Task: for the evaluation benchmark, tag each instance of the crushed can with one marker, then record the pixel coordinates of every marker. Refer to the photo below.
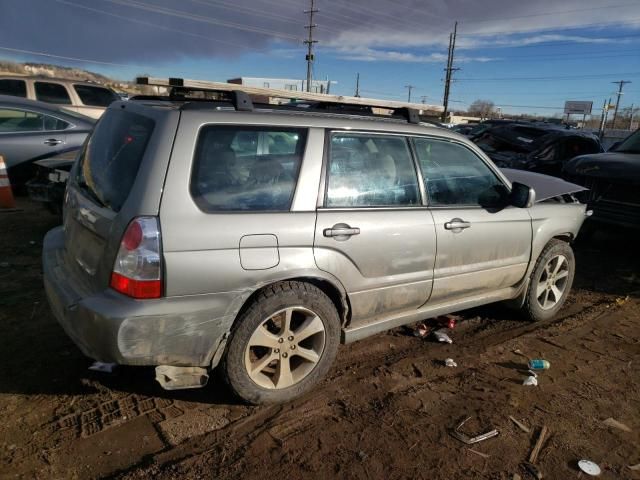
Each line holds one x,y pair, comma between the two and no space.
539,364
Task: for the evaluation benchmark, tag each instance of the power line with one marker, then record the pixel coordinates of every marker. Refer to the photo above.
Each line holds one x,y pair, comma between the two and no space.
409,87
630,21
566,77
201,18
155,25
309,43
62,57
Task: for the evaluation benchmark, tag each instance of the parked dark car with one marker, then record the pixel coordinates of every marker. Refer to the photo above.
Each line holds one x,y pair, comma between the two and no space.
613,180
32,130
538,147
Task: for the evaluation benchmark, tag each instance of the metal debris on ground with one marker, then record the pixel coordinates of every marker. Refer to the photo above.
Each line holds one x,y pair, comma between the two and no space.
520,425
102,367
449,362
464,438
442,337
422,331
480,454
612,422
589,467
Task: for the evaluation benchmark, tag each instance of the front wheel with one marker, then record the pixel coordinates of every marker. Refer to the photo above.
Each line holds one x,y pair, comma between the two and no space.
284,343
550,281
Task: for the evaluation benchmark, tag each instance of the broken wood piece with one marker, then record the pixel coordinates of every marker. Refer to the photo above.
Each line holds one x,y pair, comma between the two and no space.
533,458
634,467
483,455
520,425
612,422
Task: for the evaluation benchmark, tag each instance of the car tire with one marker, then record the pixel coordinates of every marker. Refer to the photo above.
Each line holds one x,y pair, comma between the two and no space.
282,344
550,281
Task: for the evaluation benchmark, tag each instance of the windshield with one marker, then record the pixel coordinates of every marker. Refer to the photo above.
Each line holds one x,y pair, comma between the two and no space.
631,144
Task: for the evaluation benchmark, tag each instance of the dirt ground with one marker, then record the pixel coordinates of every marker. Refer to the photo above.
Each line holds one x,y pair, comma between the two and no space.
385,411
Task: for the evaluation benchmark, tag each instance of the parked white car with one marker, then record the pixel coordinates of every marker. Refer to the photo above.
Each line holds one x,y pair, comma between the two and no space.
88,98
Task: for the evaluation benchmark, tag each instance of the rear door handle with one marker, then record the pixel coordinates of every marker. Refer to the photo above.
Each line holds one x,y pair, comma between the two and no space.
457,224
341,231
52,142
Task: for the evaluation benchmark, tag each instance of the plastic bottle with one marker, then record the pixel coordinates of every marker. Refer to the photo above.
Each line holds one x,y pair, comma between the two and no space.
539,364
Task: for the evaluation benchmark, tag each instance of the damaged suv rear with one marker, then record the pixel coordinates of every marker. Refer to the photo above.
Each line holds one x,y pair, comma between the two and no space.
613,180
537,147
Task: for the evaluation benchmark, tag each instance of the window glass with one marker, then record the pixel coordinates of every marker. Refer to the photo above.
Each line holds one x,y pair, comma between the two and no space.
370,171
110,159
454,175
95,96
12,120
246,168
52,93
16,88
53,123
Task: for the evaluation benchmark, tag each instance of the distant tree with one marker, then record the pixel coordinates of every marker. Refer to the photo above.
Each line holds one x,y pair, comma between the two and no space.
482,108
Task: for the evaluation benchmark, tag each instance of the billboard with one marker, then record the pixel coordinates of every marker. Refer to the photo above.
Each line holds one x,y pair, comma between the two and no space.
577,107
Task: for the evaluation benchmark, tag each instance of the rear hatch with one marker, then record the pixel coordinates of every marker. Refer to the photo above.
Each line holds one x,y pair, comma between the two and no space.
119,175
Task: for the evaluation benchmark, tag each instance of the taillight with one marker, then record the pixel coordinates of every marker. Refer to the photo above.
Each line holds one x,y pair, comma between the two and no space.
137,271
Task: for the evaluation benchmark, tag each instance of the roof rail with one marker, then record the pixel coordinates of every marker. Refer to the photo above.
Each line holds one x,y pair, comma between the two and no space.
240,96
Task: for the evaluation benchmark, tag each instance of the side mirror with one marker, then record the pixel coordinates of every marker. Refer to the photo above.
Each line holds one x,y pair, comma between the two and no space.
521,195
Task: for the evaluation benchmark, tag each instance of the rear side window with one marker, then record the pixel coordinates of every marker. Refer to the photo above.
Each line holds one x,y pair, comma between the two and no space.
16,88
95,96
111,157
52,93
12,120
246,168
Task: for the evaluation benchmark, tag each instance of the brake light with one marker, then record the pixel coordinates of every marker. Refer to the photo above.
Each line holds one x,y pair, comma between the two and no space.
138,267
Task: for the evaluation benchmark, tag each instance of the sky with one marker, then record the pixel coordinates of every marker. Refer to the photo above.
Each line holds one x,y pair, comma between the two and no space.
525,56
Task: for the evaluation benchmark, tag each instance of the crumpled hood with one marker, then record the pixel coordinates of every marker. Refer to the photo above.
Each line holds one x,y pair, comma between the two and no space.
610,165
546,186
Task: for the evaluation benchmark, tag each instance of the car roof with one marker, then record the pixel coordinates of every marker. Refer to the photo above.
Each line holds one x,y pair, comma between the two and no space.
277,115
17,102
53,79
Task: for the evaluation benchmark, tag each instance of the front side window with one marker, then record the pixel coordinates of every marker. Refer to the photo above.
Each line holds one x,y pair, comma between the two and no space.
95,96
12,120
246,168
454,175
52,93
370,171
13,87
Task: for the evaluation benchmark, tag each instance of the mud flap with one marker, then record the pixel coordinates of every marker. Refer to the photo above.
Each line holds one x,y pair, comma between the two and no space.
177,378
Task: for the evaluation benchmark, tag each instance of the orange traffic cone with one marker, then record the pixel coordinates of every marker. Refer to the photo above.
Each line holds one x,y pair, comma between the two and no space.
6,195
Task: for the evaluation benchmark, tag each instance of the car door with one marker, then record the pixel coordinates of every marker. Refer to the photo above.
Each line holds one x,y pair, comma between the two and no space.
24,135
372,231
483,245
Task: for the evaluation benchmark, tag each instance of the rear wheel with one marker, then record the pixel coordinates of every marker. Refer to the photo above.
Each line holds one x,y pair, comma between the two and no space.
550,281
284,343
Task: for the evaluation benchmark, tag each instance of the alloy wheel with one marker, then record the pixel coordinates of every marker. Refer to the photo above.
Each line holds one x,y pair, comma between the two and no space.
553,282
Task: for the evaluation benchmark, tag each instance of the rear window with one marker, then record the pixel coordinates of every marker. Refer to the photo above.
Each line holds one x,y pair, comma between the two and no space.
52,93
16,88
95,96
246,168
111,157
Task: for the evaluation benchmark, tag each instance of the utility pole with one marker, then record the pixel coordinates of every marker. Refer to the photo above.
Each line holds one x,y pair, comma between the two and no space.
409,87
631,118
605,106
357,85
448,71
620,84
309,42
423,98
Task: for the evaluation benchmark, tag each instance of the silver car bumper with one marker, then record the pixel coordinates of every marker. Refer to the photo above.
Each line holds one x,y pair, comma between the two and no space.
110,327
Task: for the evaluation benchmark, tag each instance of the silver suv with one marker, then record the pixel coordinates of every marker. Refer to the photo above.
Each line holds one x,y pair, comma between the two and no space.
205,233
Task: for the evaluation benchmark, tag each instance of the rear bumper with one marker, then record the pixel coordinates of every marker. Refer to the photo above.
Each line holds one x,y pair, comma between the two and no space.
110,327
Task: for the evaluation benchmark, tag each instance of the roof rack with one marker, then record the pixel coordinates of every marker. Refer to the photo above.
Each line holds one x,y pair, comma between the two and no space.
241,98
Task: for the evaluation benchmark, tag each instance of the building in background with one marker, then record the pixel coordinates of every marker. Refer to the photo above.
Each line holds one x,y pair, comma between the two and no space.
317,86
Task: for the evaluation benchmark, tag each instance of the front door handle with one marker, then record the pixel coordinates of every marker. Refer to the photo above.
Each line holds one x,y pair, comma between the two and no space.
341,231
457,225
52,142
